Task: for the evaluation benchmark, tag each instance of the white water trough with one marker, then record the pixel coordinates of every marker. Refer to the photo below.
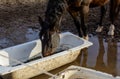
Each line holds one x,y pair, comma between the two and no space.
77,72
10,58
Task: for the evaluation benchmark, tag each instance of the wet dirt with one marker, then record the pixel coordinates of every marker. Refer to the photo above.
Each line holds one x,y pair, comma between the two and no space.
19,24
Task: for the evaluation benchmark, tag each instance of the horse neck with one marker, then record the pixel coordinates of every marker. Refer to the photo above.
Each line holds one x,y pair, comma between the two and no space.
54,12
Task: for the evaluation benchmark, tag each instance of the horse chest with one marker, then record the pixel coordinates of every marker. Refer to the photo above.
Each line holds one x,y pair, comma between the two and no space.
74,3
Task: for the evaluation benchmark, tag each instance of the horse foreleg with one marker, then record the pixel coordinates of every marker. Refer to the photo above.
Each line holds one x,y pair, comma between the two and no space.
76,19
84,14
114,11
103,12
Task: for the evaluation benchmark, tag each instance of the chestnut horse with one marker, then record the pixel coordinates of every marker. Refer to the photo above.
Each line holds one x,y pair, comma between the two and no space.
78,9
114,12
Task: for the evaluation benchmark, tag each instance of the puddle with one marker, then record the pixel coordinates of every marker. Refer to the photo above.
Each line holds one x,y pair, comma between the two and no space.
18,36
4,42
32,34
102,56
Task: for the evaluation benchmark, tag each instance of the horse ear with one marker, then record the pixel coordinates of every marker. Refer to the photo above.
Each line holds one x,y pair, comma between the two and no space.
40,20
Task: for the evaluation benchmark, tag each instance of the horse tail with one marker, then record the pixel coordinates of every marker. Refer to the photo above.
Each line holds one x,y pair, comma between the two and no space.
114,9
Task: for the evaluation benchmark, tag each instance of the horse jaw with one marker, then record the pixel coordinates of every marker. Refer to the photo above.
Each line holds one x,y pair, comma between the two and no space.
51,47
40,20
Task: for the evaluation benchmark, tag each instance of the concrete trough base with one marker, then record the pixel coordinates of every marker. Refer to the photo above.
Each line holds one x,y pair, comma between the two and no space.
36,67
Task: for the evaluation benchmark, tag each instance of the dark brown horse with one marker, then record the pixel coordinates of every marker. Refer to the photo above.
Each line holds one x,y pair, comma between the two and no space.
114,12
1,77
78,9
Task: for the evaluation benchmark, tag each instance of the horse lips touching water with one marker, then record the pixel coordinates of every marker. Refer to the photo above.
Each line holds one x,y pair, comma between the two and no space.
78,9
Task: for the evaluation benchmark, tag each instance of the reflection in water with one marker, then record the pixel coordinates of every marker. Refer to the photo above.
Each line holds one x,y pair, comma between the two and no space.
82,58
84,52
106,58
111,57
100,56
100,65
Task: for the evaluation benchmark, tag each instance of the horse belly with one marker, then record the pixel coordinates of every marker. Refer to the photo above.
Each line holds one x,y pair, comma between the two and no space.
99,2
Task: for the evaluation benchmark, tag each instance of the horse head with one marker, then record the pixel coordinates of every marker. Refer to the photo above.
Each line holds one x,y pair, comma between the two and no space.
49,37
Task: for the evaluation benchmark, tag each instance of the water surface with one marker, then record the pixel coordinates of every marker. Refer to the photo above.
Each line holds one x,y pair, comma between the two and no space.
103,55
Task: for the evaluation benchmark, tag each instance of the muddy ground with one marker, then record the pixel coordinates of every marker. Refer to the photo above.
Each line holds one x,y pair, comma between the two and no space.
19,23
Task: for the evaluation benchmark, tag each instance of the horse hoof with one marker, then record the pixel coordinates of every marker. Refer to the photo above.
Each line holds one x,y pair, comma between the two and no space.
86,37
112,27
99,29
111,30
111,33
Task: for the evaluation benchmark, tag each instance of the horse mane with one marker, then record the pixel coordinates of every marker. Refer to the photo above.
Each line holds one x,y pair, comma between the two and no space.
55,10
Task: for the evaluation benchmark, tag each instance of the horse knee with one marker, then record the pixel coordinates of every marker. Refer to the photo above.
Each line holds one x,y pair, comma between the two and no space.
85,9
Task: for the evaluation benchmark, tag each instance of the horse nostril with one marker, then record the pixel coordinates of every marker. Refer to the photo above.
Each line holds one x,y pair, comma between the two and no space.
47,54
